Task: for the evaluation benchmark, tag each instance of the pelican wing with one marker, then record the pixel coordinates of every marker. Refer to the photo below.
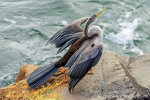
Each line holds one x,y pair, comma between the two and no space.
82,62
74,57
68,40
61,38
85,61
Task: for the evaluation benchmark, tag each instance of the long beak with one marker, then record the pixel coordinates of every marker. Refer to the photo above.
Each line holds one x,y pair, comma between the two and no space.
100,12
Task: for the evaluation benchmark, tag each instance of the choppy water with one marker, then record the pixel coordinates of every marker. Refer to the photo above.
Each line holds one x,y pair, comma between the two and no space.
26,25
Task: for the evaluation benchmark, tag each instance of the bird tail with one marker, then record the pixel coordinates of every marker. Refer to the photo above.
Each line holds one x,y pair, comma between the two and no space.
41,75
72,83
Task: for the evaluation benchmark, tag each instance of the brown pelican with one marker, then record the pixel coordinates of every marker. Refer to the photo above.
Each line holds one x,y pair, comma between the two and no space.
85,52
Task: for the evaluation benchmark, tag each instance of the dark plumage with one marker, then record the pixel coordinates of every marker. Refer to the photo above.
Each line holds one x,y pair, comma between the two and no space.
62,39
85,52
83,59
68,35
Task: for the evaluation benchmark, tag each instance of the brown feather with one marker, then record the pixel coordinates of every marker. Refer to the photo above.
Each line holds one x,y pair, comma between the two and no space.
74,47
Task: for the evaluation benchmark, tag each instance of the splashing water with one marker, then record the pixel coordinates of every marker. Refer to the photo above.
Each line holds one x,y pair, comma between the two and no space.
126,35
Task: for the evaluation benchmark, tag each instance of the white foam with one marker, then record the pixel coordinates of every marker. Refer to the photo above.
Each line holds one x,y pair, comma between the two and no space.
125,36
128,14
64,22
15,3
21,47
9,20
137,50
9,76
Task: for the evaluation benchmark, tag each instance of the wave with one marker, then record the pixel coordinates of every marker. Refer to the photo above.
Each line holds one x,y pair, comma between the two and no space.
126,34
7,79
9,20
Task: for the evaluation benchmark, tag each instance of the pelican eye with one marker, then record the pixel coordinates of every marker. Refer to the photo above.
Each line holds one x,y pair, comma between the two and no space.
92,45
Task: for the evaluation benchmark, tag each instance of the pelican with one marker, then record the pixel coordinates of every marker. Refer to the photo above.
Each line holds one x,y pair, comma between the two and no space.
85,52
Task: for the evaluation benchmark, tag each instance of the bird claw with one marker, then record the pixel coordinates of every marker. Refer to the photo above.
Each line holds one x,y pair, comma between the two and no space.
90,72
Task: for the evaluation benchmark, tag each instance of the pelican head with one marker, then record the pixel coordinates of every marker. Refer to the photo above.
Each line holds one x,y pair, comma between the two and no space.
95,30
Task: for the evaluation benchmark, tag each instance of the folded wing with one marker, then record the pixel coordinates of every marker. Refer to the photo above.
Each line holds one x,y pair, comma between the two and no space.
82,61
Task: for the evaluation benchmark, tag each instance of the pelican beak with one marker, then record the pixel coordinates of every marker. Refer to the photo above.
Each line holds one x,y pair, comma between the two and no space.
100,13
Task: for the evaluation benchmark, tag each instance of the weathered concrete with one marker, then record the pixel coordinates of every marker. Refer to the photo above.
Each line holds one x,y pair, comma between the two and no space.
115,77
